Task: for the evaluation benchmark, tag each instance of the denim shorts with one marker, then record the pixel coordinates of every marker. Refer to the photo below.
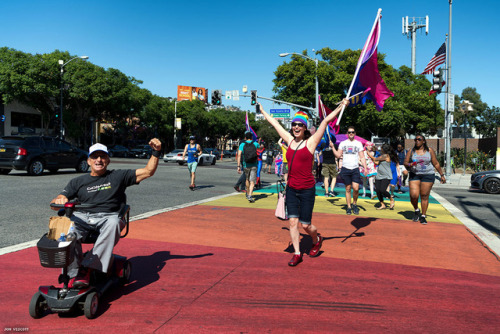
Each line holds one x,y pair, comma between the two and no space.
422,177
300,204
350,175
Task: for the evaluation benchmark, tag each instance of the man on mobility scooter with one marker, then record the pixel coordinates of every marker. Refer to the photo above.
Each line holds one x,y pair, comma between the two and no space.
104,190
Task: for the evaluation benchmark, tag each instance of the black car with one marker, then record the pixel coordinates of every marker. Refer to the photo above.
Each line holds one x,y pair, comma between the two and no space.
213,151
141,151
36,153
488,181
119,151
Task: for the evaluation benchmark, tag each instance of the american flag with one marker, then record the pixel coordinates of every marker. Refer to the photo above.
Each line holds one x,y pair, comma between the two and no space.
438,59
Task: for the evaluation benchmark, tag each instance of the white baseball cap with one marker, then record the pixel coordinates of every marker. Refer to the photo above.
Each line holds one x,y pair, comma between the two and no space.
98,147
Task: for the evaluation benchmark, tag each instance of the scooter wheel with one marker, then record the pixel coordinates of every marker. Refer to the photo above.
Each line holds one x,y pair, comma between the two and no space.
126,272
37,303
91,305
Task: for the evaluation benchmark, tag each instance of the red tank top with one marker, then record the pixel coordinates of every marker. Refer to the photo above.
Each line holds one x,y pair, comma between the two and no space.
300,170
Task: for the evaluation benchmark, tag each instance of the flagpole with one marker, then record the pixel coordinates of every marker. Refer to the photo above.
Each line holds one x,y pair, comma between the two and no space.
359,61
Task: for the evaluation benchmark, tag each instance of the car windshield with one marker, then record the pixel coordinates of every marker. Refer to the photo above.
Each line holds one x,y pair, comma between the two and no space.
177,151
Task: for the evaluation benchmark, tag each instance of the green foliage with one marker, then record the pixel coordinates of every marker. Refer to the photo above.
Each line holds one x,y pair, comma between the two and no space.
483,160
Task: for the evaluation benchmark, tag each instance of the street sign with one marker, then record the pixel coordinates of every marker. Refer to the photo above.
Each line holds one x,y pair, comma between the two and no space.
280,113
451,102
236,95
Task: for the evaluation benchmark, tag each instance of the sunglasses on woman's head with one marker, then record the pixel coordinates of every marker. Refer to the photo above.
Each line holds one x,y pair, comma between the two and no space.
297,124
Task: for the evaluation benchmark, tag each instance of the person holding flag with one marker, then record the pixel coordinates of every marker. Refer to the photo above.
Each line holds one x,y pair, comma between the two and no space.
301,186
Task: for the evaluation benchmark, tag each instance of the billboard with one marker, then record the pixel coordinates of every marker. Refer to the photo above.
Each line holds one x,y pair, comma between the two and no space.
192,93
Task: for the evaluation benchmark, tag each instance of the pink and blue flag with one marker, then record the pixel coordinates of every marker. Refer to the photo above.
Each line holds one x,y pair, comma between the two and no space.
249,128
367,78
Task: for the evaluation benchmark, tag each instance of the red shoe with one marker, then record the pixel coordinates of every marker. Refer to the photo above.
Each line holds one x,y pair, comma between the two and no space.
82,280
296,259
315,248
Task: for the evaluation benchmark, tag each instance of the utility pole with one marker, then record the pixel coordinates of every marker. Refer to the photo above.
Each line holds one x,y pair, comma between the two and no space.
410,29
450,100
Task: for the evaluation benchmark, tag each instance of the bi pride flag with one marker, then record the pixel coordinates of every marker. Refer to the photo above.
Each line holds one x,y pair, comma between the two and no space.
249,128
367,77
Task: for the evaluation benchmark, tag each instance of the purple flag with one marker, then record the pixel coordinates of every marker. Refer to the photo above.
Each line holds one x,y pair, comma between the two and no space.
368,77
249,128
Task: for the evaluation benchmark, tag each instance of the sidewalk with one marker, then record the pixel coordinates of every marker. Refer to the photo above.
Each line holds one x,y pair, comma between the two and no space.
221,266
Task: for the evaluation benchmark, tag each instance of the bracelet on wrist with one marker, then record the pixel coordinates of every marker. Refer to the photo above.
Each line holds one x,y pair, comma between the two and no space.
156,153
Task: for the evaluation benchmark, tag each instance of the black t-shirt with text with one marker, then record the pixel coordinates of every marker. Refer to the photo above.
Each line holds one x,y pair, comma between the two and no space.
106,192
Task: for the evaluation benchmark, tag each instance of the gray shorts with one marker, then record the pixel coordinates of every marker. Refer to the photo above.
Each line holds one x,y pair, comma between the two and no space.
251,174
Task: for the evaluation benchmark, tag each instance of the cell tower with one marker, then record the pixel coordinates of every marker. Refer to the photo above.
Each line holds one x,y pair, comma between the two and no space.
410,30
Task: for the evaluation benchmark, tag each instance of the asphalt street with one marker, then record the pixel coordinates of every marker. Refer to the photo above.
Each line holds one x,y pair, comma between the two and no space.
25,212
483,208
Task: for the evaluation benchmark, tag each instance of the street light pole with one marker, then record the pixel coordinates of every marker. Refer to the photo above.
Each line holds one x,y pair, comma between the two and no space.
316,76
62,63
175,125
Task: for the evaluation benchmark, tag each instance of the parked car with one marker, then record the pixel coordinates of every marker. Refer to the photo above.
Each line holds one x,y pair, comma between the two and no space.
176,156
488,181
37,153
141,151
213,151
230,153
119,151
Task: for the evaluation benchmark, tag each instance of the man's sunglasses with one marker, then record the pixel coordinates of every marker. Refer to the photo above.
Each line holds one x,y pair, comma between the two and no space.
298,124
351,131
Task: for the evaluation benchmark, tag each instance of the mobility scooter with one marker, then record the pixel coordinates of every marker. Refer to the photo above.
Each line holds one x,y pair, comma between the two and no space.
65,299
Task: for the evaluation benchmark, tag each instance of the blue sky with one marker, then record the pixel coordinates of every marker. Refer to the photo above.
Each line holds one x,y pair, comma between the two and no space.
225,45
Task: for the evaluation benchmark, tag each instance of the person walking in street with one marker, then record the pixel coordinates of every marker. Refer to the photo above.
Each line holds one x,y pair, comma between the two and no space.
260,153
422,163
329,171
351,152
192,150
384,175
247,162
269,160
401,152
301,186
284,164
240,184
368,175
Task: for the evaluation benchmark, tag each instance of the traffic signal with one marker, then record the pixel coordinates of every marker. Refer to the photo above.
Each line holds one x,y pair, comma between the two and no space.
214,97
254,97
437,81
57,111
218,97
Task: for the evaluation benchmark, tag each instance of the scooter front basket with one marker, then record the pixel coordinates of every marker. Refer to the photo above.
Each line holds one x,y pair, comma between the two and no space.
55,254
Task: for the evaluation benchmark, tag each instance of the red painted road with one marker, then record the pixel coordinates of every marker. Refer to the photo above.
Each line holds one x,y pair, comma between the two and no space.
206,269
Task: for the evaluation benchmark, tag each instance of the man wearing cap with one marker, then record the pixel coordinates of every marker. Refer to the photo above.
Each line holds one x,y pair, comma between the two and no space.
250,168
105,190
193,150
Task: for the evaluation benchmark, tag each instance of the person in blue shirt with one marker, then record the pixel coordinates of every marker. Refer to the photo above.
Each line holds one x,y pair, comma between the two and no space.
249,168
401,152
193,151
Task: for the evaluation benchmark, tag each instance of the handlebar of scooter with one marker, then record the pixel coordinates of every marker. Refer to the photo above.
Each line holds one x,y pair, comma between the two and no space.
68,207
